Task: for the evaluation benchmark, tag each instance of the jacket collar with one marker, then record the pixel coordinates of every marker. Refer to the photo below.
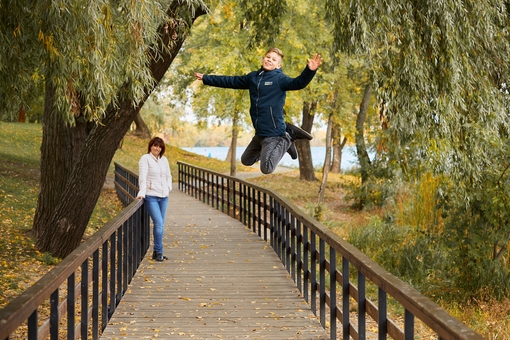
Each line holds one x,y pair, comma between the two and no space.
153,157
275,71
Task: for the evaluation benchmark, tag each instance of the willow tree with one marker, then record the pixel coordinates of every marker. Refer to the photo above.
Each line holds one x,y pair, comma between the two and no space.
439,70
99,65
217,43
232,41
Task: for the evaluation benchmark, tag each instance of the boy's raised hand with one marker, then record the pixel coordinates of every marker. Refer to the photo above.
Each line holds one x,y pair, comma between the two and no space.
315,62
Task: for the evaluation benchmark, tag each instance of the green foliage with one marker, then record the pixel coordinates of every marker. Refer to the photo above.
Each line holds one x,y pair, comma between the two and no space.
318,212
439,74
421,244
478,238
413,258
260,19
380,188
218,45
85,53
48,259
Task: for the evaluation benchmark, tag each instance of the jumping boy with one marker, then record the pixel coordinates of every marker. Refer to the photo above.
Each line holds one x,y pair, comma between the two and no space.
268,86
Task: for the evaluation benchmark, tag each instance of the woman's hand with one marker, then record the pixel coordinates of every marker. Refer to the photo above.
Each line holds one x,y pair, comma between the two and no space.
315,62
199,76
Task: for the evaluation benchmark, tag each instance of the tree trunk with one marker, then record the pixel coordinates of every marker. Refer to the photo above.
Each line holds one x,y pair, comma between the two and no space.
338,144
233,144
327,162
60,223
22,114
306,172
336,138
141,128
363,158
56,162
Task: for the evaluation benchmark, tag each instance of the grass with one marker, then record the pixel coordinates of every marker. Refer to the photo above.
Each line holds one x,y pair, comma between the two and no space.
21,264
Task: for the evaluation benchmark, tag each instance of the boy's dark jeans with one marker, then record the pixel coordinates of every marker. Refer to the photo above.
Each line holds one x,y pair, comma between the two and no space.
269,150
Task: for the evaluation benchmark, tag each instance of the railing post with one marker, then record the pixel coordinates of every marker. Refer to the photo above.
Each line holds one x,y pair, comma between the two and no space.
223,194
286,235
293,247
382,317
113,276
259,214
362,307
345,299
322,275
71,305
266,219
95,295
84,299
313,267
54,315
306,258
299,250
332,293
104,286
408,325
272,231
32,326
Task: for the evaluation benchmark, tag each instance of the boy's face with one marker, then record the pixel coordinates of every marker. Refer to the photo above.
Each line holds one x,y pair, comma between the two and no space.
271,61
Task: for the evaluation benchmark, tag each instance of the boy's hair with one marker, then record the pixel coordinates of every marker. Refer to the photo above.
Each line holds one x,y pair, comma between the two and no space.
275,50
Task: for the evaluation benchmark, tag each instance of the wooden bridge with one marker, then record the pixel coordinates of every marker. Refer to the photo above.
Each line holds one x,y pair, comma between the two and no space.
244,263
221,282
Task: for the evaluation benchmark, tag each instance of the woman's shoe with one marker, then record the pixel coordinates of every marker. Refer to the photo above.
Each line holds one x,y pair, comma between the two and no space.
160,257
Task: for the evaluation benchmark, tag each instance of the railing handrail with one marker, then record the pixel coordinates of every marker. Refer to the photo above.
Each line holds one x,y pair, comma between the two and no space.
22,308
196,181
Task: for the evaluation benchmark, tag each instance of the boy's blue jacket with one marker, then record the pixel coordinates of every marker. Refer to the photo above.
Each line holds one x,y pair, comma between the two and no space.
267,95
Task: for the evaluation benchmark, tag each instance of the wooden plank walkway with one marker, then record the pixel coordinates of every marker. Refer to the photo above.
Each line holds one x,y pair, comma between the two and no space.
221,282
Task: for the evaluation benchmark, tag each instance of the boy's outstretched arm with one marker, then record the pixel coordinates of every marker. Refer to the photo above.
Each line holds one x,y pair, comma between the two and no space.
315,62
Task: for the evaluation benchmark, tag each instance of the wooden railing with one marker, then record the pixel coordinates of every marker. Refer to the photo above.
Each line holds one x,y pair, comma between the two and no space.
333,276
77,297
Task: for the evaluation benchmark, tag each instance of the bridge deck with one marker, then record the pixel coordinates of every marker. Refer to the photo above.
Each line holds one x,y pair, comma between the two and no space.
221,282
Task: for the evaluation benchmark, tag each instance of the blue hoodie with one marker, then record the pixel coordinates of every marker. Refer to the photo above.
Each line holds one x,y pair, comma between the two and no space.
267,95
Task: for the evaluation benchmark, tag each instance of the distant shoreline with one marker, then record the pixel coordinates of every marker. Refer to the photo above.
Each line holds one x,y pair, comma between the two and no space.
349,158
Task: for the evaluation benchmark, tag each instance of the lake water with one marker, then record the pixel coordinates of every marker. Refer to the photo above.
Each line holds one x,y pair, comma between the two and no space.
349,158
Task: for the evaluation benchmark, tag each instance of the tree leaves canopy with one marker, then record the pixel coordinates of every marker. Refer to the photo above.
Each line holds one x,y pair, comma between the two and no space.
83,48
440,69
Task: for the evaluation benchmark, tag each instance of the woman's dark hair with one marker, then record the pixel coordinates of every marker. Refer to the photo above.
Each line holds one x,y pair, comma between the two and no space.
158,142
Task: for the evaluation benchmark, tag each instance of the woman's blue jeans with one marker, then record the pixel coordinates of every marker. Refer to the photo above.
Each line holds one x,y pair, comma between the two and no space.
156,207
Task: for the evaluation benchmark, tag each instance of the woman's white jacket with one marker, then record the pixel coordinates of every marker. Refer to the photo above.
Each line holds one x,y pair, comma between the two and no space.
154,177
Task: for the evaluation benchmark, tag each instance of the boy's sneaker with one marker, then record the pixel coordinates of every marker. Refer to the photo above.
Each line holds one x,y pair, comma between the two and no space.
292,151
297,133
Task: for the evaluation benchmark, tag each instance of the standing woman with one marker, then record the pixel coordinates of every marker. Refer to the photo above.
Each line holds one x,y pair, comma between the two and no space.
155,183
